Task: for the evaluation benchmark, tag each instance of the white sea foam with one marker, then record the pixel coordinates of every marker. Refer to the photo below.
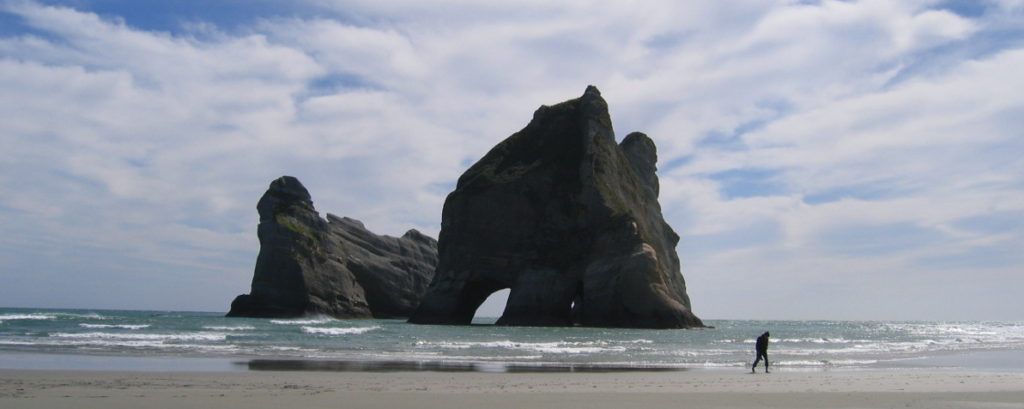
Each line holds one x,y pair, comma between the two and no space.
723,364
239,328
121,344
198,336
34,316
283,348
91,316
121,326
312,321
48,316
338,331
703,353
988,332
838,340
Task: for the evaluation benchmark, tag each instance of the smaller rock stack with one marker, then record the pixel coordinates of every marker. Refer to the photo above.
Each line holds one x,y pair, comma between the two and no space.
308,265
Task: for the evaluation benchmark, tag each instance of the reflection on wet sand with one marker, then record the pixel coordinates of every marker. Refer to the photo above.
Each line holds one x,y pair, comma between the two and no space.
434,366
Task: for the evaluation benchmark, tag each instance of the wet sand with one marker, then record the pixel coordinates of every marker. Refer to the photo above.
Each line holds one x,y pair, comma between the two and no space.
923,388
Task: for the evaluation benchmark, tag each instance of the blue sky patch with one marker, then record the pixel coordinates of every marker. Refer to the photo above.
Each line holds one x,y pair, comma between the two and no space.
721,142
173,15
740,183
674,163
993,223
11,25
965,8
734,141
335,83
866,192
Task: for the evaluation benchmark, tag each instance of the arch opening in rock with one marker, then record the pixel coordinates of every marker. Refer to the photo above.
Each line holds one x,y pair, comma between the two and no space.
492,308
473,296
576,308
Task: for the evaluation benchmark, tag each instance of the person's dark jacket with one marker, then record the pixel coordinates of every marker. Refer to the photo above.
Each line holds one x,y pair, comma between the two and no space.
762,344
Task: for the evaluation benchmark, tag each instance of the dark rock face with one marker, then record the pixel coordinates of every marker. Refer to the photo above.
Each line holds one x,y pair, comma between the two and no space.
308,265
570,221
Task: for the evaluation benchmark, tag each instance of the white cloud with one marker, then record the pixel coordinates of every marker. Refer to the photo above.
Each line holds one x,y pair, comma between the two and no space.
146,151
928,154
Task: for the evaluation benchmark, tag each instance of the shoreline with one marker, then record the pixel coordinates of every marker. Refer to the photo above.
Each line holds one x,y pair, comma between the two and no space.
1010,360
427,389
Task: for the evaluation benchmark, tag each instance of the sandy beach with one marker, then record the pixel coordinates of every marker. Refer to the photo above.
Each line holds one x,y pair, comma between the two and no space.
697,389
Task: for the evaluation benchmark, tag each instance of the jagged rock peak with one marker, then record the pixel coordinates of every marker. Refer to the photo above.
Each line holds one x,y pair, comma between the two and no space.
643,155
283,192
414,234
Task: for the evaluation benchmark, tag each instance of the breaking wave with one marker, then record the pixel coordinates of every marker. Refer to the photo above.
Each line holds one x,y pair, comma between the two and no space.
338,331
311,321
224,328
120,326
197,336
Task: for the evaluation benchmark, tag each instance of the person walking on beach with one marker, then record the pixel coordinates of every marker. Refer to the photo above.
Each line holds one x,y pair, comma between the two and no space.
762,352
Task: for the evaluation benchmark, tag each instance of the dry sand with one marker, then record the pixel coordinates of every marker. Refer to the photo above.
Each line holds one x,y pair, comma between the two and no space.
423,390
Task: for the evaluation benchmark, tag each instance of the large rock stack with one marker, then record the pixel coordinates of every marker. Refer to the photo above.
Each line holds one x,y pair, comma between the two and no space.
570,221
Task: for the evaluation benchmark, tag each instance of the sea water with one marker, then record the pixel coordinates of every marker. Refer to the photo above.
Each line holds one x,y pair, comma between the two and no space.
105,337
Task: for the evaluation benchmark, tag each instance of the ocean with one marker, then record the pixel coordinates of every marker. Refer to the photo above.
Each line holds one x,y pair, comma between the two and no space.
115,339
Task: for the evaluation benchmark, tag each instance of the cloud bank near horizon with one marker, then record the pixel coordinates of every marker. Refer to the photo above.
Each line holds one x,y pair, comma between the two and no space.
823,159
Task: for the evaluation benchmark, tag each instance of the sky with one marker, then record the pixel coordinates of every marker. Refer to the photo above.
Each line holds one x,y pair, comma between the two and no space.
848,160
